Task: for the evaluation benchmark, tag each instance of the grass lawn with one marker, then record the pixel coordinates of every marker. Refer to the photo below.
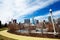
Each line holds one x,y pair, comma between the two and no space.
4,28
3,37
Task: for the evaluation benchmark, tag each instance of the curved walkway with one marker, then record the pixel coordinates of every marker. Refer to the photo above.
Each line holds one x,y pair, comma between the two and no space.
18,37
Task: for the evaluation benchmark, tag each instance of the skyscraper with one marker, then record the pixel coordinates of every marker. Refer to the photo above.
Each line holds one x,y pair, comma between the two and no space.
36,21
44,24
33,21
49,19
58,21
27,21
15,21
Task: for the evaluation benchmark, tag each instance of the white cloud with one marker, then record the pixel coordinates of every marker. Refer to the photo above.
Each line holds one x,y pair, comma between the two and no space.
18,8
55,14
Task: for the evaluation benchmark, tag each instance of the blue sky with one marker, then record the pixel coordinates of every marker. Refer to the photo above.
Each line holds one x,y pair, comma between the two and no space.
22,9
43,11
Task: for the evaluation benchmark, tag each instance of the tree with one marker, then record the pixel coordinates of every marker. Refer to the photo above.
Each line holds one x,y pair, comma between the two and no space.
0,24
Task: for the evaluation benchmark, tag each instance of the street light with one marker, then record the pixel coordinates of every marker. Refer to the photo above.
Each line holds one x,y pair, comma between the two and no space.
52,21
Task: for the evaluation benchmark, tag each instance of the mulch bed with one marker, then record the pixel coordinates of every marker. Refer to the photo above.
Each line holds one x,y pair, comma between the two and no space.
37,35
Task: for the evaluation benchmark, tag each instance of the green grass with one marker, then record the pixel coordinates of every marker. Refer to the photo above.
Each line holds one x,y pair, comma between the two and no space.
4,28
3,37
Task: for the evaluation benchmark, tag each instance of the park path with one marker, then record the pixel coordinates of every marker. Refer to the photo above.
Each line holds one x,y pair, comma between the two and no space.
18,37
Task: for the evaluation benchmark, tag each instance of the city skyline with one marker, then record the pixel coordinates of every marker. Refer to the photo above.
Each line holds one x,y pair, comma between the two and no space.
27,9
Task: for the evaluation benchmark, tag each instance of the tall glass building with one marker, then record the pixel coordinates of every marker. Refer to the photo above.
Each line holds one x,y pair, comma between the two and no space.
33,21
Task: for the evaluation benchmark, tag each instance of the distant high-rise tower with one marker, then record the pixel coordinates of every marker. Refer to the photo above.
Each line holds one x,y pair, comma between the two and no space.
14,21
44,23
49,19
58,20
37,21
33,21
27,21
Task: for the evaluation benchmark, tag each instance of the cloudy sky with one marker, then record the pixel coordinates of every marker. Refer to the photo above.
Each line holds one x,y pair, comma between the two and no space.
21,9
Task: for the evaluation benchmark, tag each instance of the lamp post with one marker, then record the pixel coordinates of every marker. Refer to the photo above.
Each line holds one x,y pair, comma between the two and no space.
52,21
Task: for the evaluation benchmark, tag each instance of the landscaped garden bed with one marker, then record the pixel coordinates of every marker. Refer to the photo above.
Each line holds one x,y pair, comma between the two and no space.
37,35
